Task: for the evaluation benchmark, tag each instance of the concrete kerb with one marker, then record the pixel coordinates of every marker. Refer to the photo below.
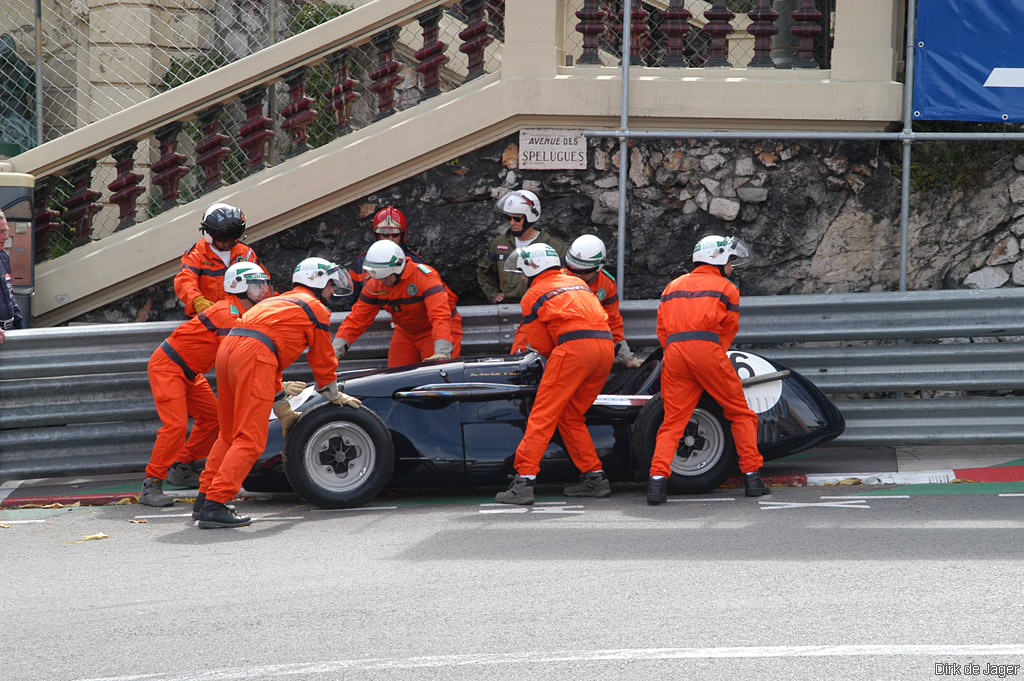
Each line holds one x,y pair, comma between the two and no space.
939,476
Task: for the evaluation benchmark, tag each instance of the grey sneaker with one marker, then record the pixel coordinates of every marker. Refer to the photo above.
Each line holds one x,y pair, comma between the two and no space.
153,493
184,474
519,492
593,484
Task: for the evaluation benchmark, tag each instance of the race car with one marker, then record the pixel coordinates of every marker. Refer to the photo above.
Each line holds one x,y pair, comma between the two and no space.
456,424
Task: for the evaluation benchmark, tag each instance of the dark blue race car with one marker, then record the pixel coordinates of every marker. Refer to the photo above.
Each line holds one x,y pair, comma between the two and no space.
457,423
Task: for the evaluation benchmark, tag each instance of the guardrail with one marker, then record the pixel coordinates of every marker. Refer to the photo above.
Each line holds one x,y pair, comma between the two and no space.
76,400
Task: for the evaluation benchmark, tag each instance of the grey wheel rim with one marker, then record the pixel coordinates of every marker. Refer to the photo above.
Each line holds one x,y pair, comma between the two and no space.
339,457
702,445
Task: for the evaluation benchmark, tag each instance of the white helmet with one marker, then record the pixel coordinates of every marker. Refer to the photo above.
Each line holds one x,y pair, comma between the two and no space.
521,202
586,254
249,279
720,250
533,259
383,259
316,273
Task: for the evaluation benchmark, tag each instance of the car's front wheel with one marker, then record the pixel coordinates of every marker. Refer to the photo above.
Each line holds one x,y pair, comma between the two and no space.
706,455
338,457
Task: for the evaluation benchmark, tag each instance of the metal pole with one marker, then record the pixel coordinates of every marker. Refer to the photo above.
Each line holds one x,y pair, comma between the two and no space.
627,32
272,90
39,72
908,129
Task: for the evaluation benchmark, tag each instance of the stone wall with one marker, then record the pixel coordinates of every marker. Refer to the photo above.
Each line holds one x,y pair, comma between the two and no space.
821,217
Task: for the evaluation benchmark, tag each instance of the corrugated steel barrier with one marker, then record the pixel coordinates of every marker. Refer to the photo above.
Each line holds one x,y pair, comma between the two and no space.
76,400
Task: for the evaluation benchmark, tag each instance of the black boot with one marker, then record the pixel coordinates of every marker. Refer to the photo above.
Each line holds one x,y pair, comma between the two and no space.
657,491
215,514
754,485
197,506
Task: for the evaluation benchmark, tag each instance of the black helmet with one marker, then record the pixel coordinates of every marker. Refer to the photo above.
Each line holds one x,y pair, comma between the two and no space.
223,222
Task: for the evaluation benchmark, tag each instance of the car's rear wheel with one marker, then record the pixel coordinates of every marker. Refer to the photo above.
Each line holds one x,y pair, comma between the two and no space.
338,457
706,456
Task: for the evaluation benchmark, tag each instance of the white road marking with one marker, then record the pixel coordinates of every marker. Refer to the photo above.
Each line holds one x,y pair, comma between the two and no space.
574,657
1005,77
1011,495
358,508
541,507
20,522
699,501
870,496
775,505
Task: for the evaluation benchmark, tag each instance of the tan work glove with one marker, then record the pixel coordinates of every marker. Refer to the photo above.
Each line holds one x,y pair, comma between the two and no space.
285,415
331,393
442,350
199,303
340,347
292,388
625,357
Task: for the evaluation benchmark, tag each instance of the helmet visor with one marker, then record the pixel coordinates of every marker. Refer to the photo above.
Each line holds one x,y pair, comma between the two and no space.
514,262
342,282
388,231
258,290
740,252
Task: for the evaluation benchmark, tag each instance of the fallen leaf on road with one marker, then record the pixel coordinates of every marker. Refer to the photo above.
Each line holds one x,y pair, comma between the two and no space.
123,501
90,537
851,481
138,521
6,527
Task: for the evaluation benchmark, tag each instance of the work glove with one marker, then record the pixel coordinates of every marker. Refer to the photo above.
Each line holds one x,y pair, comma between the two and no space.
284,413
292,388
442,350
199,303
331,393
625,357
340,346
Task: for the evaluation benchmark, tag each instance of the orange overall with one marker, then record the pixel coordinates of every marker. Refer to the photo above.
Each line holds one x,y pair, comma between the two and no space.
607,291
422,308
202,272
180,390
359,275
264,342
698,319
564,322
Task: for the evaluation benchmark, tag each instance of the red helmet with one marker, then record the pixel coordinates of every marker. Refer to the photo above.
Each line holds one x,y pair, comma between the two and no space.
390,221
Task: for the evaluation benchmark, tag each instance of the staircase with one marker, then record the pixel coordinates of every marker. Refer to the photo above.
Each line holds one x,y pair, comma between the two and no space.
520,81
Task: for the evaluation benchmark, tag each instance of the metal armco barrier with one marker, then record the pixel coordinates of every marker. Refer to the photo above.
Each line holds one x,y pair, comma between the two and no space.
76,400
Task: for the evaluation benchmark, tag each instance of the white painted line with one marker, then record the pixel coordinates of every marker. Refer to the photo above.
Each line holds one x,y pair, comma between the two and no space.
775,505
21,522
1011,495
511,509
699,501
1005,77
164,515
358,508
905,478
552,510
277,517
334,667
539,503
870,496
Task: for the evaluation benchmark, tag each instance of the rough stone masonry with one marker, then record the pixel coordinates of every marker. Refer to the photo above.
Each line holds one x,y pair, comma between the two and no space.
820,218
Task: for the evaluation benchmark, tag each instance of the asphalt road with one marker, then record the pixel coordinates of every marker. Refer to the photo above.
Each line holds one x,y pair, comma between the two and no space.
809,583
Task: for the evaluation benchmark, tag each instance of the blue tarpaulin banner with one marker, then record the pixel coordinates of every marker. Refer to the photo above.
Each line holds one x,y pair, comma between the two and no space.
969,61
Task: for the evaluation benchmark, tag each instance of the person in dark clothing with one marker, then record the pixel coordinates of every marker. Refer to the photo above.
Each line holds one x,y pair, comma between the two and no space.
10,313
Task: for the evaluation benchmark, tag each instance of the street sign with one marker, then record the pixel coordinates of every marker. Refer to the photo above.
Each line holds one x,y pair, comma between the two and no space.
969,61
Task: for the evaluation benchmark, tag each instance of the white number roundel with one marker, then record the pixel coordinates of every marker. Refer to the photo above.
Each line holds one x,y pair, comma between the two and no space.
763,396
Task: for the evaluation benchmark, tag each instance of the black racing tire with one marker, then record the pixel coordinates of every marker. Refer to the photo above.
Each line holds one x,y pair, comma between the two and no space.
707,454
338,457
